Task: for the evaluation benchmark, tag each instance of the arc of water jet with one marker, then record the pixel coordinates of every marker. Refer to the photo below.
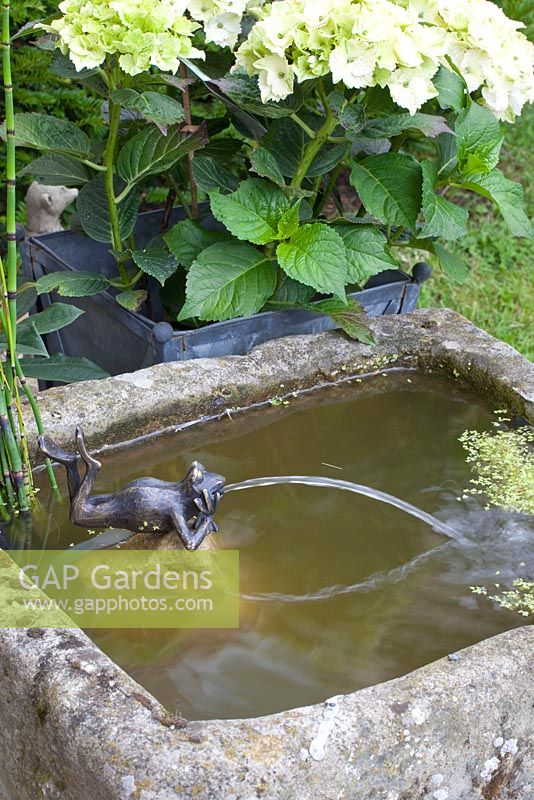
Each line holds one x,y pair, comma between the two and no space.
347,486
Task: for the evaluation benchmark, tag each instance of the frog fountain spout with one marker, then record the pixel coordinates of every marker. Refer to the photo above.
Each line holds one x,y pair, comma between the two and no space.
148,505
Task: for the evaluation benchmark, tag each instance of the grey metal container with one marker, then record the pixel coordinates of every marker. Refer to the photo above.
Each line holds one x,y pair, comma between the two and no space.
120,341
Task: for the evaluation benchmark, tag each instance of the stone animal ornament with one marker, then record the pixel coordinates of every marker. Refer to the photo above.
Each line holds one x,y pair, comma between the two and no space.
183,511
44,207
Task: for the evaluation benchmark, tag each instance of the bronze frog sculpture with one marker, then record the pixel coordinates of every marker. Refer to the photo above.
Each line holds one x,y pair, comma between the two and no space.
147,505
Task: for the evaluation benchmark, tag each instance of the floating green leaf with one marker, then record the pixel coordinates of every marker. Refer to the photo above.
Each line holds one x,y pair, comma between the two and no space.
230,279
315,255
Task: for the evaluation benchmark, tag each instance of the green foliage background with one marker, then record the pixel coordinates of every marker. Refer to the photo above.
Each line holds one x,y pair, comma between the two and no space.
37,88
499,295
522,10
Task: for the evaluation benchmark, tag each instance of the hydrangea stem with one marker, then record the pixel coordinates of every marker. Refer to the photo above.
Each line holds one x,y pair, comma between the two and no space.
312,149
190,156
109,185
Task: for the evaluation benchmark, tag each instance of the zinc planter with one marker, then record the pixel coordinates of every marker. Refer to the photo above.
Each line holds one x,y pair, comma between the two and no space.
120,341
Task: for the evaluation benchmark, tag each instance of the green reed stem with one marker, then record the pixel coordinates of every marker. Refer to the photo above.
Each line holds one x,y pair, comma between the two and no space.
14,456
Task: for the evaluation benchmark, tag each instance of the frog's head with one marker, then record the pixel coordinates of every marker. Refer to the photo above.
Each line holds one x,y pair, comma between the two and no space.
200,480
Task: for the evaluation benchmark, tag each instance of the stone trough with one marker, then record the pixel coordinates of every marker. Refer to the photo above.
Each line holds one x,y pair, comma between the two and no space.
76,727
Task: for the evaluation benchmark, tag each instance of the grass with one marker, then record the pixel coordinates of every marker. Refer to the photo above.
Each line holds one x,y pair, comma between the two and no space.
499,294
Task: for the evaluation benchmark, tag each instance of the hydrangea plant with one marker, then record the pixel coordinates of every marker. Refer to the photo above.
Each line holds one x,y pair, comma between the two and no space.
399,102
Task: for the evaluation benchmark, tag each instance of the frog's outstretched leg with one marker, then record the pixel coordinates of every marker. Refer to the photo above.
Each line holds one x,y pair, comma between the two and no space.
81,512
69,460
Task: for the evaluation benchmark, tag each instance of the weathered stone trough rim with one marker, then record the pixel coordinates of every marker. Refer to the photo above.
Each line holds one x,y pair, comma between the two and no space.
165,397
95,734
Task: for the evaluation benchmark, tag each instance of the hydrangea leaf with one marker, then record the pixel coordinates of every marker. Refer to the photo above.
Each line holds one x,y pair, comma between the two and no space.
289,221
93,212
253,212
290,292
452,91
155,107
156,262
150,152
264,163
507,196
244,91
211,174
479,139
72,284
316,256
351,117
386,127
367,251
451,263
442,218
390,187
42,132
349,315
187,239
57,169
286,141
227,280
131,299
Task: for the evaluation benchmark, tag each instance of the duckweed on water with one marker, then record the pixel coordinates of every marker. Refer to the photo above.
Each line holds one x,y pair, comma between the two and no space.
520,598
504,462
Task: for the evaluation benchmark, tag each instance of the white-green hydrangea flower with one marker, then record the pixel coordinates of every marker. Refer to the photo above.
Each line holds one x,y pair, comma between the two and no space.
141,34
221,19
399,44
